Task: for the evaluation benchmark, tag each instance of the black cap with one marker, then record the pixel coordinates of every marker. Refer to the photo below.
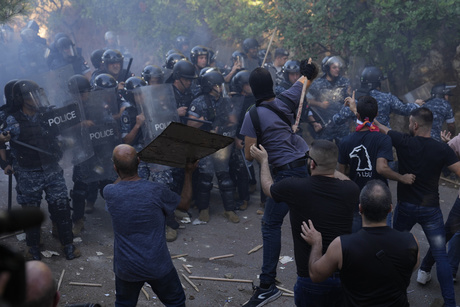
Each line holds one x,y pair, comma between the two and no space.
261,83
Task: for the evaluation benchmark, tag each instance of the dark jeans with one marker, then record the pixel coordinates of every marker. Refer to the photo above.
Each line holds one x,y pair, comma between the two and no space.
326,293
451,227
271,228
168,289
430,218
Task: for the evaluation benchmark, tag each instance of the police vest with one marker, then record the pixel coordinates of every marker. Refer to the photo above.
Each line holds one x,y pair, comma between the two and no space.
32,133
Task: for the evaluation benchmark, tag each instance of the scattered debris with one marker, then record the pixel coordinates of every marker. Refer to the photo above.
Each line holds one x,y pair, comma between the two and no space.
187,269
145,293
285,290
191,283
220,257
49,254
255,249
77,240
198,222
220,279
84,284
60,279
21,237
286,259
186,220
228,276
179,256
99,253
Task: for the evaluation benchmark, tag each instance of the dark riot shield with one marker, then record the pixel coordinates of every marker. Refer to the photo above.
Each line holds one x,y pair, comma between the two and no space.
158,105
180,143
422,92
101,130
55,86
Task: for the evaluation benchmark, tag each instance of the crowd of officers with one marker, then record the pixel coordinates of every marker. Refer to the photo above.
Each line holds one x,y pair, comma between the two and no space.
207,96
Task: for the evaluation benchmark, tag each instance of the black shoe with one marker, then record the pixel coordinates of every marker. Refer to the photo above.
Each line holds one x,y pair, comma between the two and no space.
71,252
33,253
262,297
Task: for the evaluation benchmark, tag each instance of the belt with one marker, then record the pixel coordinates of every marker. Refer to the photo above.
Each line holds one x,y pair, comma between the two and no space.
294,164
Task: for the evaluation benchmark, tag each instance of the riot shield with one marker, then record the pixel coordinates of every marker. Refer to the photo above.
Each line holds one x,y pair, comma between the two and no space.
55,86
355,68
422,92
100,129
158,105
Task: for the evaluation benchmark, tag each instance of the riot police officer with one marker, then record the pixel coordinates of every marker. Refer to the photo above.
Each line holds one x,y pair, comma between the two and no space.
112,63
326,97
182,77
69,55
371,78
213,108
153,74
276,68
251,49
237,63
36,154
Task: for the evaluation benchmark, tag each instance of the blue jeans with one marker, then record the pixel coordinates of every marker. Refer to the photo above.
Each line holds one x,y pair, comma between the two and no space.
452,227
271,227
168,289
326,293
430,218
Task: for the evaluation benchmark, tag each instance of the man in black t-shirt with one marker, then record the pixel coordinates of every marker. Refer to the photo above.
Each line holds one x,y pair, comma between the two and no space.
367,152
376,252
323,198
424,157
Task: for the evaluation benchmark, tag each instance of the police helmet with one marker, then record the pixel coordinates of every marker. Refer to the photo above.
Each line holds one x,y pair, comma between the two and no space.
250,43
171,51
65,43
371,77
109,35
112,56
133,83
239,56
23,89
261,55
105,81
181,41
152,71
184,69
209,79
32,24
440,90
172,59
196,52
239,80
289,67
8,92
96,58
211,56
78,84
327,62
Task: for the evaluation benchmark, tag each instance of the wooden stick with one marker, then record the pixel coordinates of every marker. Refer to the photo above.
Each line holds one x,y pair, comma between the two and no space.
268,48
84,284
60,279
145,293
220,257
191,283
450,181
11,234
287,294
187,269
220,279
255,249
183,287
285,290
178,256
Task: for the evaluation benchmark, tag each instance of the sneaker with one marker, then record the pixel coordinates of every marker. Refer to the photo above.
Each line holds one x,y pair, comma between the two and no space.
262,297
78,226
423,277
261,209
71,252
232,217
204,215
171,234
180,214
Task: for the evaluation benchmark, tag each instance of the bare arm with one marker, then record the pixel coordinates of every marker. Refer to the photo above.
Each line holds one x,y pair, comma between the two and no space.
266,179
248,142
384,170
455,168
129,138
186,194
382,128
321,267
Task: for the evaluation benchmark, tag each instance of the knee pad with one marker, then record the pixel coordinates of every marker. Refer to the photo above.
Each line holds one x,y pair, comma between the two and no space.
205,182
225,182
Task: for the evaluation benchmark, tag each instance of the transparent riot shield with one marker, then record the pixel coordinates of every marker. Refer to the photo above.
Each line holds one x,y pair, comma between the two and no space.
422,92
100,129
355,68
158,105
55,86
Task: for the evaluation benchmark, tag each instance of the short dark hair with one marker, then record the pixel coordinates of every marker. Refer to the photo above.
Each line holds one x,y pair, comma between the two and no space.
423,116
325,154
126,166
375,200
368,107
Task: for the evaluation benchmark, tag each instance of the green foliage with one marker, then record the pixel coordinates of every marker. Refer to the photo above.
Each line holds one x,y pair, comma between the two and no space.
11,8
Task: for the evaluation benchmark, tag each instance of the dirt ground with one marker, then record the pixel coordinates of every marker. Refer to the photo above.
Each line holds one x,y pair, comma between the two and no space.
199,242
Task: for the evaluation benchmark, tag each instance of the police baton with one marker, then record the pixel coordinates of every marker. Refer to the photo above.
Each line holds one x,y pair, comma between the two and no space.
128,68
10,188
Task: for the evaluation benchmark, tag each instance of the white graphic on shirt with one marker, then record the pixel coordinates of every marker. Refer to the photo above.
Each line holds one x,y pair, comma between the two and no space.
364,161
